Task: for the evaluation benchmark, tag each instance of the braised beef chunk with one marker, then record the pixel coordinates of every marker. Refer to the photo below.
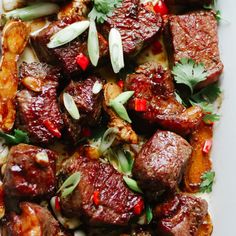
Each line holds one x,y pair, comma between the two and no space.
64,56
194,35
136,24
159,165
28,174
101,196
37,105
189,2
154,85
180,216
33,220
88,103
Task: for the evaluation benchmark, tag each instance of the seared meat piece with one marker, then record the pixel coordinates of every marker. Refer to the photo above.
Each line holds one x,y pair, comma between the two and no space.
189,2
64,56
180,216
38,103
154,84
101,196
88,104
194,36
33,220
159,165
136,24
27,175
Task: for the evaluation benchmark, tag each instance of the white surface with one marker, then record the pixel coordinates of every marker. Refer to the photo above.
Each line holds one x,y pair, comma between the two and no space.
223,198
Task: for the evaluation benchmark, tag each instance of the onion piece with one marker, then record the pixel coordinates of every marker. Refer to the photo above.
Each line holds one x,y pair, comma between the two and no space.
108,139
33,11
42,158
116,50
132,184
97,87
70,106
68,34
93,43
9,5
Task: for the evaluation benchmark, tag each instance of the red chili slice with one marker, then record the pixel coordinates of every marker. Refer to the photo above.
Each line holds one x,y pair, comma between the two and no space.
57,204
82,61
156,47
161,8
86,132
207,146
140,104
138,208
96,198
52,128
121,84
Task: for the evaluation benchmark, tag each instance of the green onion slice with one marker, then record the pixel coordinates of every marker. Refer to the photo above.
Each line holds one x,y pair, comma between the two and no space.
108,139
68,34
125,161
93,43
120,111
33,11
149,214
97,87
123,97
116,50
132,184
70,106
70,184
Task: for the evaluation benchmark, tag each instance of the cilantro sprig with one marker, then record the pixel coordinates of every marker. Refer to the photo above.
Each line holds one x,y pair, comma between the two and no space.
207,182
102,9
212,7
17,137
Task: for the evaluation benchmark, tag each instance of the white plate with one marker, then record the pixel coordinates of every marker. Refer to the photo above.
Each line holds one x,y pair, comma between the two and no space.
223,198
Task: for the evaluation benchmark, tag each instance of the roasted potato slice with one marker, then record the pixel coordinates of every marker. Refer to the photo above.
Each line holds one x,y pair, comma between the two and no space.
14,40
126,133
199,162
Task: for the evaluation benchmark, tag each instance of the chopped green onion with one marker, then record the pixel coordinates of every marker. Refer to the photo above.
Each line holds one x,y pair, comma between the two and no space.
123,97
68,34
93,43
120,111
9,5
68,223
108,139
125,162
70,106
70,184
97,87
149,214
116,50
132,184
19,136
33,11
79,233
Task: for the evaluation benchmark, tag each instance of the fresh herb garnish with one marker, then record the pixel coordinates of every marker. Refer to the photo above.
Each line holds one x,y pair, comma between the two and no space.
213,8
190,73
70,184
19,136
108,139
132,184
102,9
207,182
149,214
209,118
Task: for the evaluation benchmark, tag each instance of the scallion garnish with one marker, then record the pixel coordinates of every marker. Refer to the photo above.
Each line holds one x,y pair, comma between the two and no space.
70,106
97,87
132,184
70,184
116,50
68,34
33,11
108,139
93,43
17,137
125,162
9,5
149,214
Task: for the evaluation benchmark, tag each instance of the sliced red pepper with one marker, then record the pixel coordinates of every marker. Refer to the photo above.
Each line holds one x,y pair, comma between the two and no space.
121,84
156,47
82,61
86,132
96,198
140,104
207,146
57,203
138,208
161,8
52,128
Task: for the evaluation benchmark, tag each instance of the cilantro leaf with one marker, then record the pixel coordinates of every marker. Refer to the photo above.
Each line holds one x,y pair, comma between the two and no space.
19,136
210,118
188,72
102,9
206,107
207,182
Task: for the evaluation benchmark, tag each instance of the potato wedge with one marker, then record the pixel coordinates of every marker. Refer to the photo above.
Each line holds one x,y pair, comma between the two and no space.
126,133
199,162
14,40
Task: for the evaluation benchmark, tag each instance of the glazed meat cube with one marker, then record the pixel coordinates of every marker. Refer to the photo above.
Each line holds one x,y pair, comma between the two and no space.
33,220
189,2
159,165
64,56
28,174
181,215
37,104
101,197
153,85
194,36
136,23
88,103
